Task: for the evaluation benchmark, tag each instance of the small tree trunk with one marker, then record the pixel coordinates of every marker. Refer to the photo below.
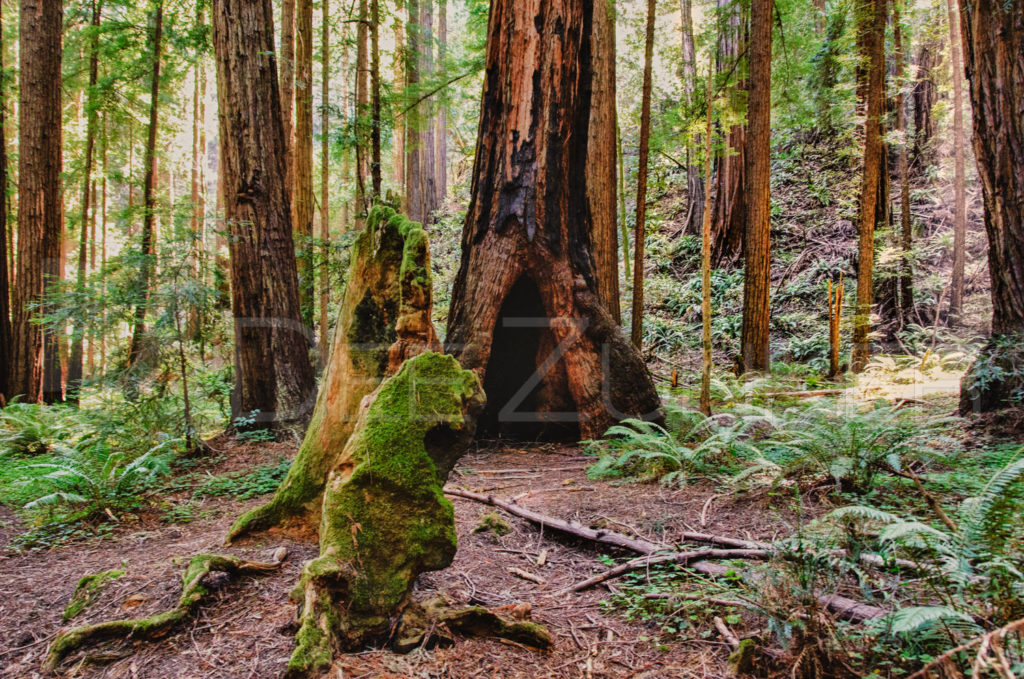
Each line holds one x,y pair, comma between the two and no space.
148,250
525,312
956,289
729,218
302,154
601,156
362,112
874,30
688,71
35,371
76,364
273,376
441,120
925,96
705,265
757,172
640,227
906,279
375,104
325,174
993,39
399,84
6,335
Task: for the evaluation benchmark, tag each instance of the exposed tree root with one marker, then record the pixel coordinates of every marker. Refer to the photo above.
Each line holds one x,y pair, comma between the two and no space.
192,595
845,608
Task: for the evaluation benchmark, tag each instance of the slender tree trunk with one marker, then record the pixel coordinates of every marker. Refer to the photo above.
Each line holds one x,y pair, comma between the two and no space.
287,76
6,335
956,289
399,85
302,157
346,107
906,283
757,172
705,263
103,250
729,217
640,227
148,249
425,131
441,121
993,41
35,371
375,103
688,73
925,96
362,111
76,364
601,157
325,175
873,27
274,380
413,120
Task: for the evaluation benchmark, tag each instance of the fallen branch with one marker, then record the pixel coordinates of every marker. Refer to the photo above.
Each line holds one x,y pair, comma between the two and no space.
985,641
192,595
845,608
805,394
727,634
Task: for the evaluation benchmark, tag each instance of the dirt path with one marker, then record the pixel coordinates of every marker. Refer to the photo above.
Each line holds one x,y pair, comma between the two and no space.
246,632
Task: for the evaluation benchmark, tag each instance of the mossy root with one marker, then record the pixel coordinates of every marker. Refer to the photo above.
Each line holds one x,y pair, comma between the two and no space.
192,595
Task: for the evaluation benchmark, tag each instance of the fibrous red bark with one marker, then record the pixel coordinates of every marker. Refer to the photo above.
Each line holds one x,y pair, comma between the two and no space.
526,314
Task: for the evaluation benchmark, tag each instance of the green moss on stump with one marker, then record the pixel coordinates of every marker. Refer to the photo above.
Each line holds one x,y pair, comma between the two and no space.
87,590
385,517
389,275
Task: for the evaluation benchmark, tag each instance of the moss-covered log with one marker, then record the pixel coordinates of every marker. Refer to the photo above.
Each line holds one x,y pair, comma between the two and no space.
192,595
385,519
385,319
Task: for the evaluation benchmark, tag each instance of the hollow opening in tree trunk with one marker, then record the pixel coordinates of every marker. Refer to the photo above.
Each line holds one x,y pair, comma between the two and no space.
523,403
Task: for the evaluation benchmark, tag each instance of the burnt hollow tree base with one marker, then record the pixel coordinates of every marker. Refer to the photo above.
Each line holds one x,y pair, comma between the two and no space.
996,380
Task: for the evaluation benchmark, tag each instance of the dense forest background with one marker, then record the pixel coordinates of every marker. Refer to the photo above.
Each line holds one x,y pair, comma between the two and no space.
794,226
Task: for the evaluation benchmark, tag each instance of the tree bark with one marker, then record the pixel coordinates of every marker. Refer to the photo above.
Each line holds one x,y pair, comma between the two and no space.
729,217
399,84
601,156
420,182
441,120
35,371
757,175
688,72
525,311
362,90
993,40
286,64
906,278
148,247
375,103
76,364
925,96
6,334
956,288
325,174
302,157
873,29
640,224
273,376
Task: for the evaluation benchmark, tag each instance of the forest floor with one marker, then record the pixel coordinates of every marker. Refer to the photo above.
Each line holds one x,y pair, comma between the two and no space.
246,630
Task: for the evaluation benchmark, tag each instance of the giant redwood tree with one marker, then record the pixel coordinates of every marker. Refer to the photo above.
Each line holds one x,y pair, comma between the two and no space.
526,314
273,373
35,367
993,40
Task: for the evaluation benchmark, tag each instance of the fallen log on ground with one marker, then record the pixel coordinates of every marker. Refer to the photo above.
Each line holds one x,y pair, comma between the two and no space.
193,594
845,608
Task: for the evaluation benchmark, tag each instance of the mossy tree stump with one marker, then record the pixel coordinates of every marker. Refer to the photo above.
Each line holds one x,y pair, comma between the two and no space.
385,519
385,319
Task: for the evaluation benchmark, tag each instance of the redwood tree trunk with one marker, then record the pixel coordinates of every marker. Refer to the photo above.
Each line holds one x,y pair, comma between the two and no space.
5,299
640,224
925,96
441,120
688,71
601,177
362,91
993,39
956,288
757,170
730,208
287,80
302,157
148,247
906,279
526,313
76,364
873,30
41,212
273,374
